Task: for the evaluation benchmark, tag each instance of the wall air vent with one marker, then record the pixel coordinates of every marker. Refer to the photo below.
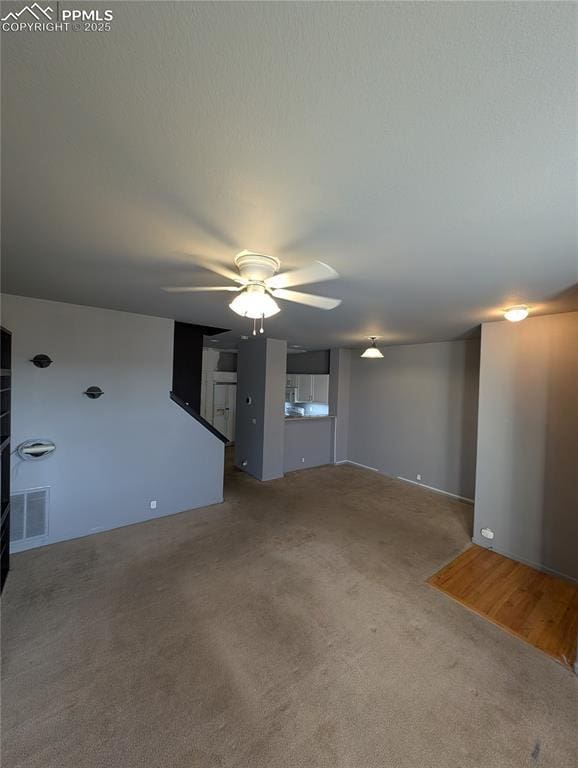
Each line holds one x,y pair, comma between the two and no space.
28,515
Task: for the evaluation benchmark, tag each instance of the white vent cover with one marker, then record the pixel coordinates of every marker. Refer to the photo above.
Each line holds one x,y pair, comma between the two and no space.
28,514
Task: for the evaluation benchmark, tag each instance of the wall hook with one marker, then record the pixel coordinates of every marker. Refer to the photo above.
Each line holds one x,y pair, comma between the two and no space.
41,361
94,392
34,450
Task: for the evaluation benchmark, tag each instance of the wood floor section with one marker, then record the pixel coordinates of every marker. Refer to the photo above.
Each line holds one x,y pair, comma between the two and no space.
538,608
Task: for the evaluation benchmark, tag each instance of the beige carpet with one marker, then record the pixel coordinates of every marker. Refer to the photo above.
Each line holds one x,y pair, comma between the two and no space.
291,626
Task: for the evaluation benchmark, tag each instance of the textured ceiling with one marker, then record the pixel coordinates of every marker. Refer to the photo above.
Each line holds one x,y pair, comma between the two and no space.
425,150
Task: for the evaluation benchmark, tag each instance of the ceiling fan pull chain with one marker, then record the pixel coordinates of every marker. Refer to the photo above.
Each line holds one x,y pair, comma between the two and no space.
254,326
262,318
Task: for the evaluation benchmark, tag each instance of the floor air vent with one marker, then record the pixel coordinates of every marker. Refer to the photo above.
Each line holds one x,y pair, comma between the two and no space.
28,515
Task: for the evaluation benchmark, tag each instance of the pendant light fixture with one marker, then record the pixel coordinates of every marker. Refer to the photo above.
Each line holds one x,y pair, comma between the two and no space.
372,350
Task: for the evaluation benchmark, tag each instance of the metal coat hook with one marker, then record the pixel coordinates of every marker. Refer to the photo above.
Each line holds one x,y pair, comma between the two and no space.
94,393
41,361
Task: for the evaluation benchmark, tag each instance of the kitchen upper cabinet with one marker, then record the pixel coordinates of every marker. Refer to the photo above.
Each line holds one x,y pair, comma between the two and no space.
320,388
304,388
307,388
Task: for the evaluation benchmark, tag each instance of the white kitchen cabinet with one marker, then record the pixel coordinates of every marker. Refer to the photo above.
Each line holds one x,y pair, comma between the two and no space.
291,388
307,388
320,388
304,388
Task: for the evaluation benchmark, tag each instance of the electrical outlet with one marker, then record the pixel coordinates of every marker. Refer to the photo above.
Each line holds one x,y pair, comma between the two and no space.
302,460
154,504
487,533
418,477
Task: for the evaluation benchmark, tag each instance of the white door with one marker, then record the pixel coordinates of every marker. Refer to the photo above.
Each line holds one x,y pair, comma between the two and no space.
224,398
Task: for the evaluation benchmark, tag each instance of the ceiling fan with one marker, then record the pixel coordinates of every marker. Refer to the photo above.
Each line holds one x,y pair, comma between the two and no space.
259,285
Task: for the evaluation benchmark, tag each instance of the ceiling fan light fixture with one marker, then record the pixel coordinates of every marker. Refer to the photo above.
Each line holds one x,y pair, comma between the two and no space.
258,285
516,314
254,302
372,351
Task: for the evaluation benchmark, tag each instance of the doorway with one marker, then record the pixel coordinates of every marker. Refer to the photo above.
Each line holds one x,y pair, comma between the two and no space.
224,401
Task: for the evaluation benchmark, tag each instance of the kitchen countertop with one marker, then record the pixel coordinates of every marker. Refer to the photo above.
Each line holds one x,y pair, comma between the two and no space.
307,418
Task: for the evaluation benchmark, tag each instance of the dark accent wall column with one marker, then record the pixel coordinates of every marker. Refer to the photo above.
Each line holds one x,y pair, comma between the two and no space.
188,361
5,430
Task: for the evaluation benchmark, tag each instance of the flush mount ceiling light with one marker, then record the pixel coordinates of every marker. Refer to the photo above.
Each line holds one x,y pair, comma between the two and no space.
260,285
372,350
515,314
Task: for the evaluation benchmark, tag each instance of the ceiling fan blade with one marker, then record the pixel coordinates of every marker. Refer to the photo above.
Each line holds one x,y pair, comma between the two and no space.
200,288
317,272
216,267
319,302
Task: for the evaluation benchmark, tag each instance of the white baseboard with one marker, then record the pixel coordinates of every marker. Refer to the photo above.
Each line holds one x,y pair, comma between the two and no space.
357,464
24,546
436,490
407,480
517,558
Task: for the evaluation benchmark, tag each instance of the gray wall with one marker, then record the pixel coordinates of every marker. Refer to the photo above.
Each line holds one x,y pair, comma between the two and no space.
339,396
308,362
259,430
415,412
308,443
115,454
527,465
227,362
